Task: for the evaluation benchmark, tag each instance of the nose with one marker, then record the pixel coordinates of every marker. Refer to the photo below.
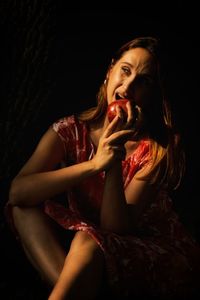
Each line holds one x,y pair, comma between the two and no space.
128,86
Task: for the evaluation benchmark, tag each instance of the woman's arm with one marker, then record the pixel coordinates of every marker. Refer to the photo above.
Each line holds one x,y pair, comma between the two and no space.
114,212
38,180
121,209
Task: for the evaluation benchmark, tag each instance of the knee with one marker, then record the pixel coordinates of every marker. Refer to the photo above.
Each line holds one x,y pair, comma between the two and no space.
84,243
83,237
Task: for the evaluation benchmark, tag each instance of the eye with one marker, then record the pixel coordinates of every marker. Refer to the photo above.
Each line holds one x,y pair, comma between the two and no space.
126,70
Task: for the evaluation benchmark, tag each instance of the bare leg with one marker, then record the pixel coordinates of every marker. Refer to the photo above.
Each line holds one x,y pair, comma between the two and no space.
81,276
40,242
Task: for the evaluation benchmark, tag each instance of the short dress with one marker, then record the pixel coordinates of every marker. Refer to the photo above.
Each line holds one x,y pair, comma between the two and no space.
160,259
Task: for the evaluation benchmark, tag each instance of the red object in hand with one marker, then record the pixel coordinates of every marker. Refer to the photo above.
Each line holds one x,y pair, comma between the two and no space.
111,110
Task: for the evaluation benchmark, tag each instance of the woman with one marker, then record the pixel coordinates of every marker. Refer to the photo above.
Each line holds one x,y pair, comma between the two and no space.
117,175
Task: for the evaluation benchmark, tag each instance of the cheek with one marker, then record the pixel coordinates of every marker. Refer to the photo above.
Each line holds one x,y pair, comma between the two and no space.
114,78
111,86
108,90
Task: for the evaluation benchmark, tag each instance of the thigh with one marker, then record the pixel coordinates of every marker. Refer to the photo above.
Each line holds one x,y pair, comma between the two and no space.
33,220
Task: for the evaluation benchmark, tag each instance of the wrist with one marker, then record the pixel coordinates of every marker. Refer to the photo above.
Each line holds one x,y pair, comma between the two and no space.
94,165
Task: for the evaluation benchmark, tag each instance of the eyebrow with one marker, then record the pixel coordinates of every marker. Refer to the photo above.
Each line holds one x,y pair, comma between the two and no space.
125,62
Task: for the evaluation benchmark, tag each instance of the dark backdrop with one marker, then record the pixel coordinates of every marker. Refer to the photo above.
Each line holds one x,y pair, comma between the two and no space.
52,60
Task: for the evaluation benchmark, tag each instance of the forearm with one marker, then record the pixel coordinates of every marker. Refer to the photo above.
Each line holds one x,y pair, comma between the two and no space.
114,210
28,190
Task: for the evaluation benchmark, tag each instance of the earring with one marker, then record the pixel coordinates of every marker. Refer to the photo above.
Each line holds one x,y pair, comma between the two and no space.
105,81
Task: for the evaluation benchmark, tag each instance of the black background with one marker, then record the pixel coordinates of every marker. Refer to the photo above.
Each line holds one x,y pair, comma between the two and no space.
81,44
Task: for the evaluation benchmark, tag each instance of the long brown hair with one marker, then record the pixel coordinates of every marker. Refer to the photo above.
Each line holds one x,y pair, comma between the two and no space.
168,160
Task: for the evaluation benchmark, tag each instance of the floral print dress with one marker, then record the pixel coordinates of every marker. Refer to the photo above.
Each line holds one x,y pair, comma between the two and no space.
160,259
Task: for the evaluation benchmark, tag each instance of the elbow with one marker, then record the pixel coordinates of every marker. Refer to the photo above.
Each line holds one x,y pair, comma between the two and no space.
14,199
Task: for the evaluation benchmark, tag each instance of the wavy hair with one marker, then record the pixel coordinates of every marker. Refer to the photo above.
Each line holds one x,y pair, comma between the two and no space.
167,155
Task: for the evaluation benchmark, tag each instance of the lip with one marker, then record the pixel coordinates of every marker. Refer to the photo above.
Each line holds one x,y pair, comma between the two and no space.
119,96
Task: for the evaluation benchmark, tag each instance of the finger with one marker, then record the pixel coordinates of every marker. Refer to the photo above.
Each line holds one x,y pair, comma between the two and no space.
139,113
122,118
114,125
110,128
139,118
120,136
130,115
118,148
120,113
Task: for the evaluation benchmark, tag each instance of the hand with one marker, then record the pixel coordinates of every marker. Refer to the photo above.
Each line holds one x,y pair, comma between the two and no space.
111,143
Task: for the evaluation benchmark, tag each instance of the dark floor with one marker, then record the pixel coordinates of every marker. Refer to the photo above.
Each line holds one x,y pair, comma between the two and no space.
18,280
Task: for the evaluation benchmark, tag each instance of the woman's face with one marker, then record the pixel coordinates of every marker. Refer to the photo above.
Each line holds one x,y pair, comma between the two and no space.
132,77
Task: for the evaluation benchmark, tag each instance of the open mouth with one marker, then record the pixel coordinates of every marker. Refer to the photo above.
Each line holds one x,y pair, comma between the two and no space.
120,96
